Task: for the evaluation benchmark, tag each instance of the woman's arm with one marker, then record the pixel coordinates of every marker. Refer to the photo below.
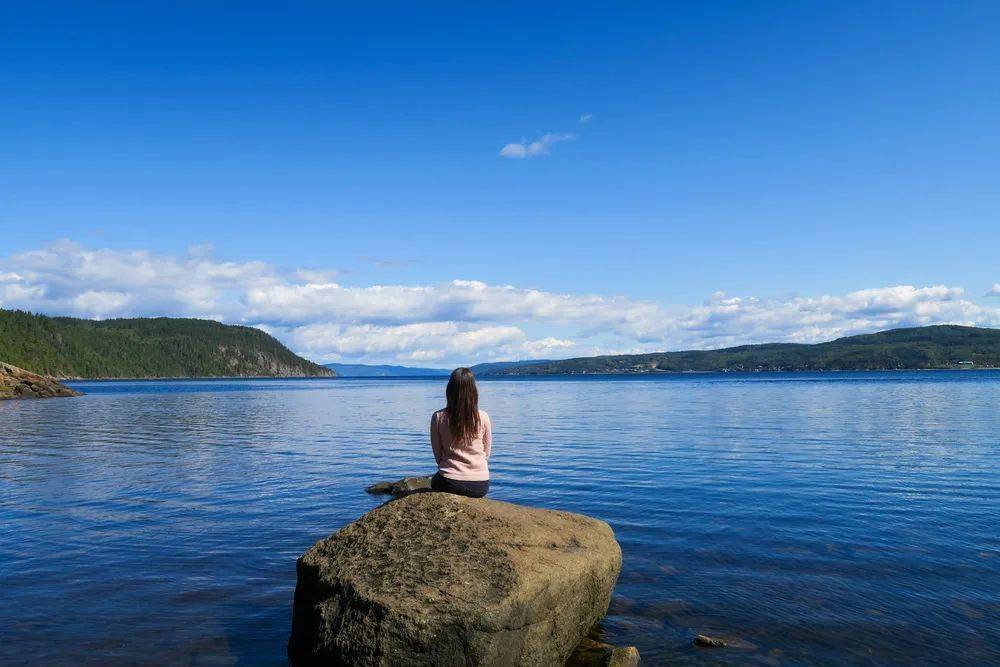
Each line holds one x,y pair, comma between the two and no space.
435,439
487,435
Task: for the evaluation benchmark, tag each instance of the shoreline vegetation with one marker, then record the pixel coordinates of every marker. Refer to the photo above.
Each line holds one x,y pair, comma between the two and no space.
164,348
223,378
937,347
160,347
495,376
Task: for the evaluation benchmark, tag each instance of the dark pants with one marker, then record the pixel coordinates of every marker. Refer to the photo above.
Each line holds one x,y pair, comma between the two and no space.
460,487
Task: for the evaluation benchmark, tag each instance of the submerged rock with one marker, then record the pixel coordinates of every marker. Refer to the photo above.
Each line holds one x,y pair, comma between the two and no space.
402,487
624,656
593,653
709,642
438,579
18,383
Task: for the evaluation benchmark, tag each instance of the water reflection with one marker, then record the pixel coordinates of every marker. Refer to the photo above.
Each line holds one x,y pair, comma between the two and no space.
812,519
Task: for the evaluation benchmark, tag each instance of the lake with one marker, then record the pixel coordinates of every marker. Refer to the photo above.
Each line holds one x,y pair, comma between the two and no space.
817,517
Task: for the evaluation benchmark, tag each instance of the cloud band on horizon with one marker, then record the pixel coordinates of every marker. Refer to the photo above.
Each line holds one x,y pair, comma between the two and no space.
461,321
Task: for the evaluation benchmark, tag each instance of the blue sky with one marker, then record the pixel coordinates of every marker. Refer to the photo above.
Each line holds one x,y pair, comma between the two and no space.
828,168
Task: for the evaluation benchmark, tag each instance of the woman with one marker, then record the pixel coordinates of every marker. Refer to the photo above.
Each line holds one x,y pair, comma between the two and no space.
461,436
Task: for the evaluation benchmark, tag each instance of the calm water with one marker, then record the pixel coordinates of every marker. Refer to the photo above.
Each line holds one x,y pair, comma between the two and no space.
819,518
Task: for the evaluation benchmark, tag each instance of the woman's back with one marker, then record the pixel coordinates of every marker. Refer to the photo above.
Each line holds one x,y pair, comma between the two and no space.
461,436
463,459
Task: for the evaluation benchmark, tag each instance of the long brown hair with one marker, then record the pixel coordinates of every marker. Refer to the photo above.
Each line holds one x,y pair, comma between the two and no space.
463,405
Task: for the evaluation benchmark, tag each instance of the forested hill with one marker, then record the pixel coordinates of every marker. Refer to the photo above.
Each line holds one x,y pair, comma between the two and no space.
933,347
135,348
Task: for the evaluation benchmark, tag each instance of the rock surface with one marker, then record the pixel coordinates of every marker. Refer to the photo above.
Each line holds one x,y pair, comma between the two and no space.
594,653
402,487
623,656
709,642
438,579
18,383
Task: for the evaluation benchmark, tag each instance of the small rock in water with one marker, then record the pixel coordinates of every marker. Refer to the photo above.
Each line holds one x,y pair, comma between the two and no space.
594,653
624,656
402,487
709,642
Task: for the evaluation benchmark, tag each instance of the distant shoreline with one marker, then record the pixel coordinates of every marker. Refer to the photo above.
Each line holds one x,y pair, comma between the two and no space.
753,372
196,377
934,347
508,376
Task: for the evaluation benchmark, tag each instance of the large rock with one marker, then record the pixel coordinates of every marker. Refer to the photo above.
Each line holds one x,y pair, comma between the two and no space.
18,383
438,579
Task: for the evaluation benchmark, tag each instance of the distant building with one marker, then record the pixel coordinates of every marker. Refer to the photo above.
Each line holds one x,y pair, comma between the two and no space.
966,364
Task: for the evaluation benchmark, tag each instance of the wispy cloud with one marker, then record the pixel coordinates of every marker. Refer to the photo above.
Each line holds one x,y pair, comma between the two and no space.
321,276
461,321
201,249
585,118
994,291
525,149
384,263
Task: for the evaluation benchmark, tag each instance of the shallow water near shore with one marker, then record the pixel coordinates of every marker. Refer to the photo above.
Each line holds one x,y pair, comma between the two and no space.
816,517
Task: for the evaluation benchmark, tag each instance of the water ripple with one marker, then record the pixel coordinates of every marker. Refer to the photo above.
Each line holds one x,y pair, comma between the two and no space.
820,518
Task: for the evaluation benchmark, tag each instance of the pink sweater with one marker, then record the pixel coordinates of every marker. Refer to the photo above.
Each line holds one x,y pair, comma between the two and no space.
461,460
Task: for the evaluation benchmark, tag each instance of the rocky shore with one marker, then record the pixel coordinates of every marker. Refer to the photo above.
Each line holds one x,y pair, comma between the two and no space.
18,383
437,579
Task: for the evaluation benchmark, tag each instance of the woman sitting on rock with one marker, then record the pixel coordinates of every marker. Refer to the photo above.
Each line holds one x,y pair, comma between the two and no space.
461,436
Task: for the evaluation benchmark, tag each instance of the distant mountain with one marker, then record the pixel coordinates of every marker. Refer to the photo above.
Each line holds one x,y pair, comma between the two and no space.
932,347
372,371
66,347
367,370
497,367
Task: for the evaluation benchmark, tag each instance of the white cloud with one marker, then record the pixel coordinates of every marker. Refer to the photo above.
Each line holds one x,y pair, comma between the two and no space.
543,348
461,321
726,320
436,342
201,249
323,276
525,149
425,340
586,118
100,303
67,278
994,291
462,300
